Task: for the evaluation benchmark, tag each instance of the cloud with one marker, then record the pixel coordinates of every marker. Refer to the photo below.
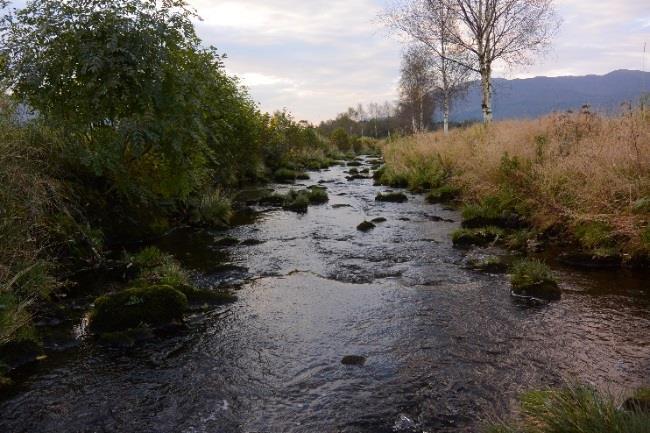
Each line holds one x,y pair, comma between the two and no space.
317,57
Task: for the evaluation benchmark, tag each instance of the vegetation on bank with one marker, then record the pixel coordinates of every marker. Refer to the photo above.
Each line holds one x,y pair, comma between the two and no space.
142,130
577,410
580,180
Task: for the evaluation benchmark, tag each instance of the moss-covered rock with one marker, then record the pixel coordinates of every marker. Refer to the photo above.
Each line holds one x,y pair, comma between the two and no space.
151,305
393,197
296,202
533,278
479,237
444,194
354,164
366,226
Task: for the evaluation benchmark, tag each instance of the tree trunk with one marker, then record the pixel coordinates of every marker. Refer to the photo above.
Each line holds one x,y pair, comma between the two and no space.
421,126
445,113
486,85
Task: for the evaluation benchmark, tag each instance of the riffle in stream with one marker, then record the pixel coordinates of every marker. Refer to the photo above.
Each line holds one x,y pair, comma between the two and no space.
445,348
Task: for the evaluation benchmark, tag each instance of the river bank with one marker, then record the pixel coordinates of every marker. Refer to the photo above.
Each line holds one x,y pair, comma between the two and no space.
444,347
578,182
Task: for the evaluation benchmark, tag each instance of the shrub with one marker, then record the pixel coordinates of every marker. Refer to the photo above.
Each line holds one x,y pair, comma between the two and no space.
340,139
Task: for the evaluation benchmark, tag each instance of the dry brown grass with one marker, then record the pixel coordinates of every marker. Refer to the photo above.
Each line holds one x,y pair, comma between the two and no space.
573,167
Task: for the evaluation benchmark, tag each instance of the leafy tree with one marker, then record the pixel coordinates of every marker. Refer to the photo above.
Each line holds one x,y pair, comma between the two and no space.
149,116
341,139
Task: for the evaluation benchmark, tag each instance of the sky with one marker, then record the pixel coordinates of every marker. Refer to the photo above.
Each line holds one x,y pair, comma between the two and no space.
318,57
315,58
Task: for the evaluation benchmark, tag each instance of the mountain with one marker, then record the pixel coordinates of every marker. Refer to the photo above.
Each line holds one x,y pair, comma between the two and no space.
533,97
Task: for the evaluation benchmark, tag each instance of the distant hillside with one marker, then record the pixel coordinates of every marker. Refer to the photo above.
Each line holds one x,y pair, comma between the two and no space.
533,97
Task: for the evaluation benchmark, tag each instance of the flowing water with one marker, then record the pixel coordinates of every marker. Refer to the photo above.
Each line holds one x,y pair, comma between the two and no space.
446,348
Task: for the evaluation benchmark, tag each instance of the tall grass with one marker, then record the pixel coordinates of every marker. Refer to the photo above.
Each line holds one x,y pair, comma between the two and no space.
574,410
565,170
27,197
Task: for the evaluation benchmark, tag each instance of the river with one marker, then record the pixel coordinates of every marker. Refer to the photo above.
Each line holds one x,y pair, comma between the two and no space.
446,348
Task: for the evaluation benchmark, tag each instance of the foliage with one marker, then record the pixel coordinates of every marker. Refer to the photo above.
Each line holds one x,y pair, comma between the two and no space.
134,100
340,139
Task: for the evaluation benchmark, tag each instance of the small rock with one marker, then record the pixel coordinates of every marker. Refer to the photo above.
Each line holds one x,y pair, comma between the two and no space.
379,220
365,226
228,242
353,360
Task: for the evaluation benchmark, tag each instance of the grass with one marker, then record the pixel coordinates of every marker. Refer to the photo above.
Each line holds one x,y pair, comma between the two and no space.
575,409
557,172
530,272
443,194
533,278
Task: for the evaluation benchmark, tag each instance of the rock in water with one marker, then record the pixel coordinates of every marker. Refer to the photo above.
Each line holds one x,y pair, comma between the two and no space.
365,226
353,360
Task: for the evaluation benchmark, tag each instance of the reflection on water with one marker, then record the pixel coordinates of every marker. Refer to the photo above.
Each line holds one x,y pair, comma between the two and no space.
445,347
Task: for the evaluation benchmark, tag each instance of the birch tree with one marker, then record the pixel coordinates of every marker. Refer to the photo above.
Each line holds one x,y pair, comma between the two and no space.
488,31
416,84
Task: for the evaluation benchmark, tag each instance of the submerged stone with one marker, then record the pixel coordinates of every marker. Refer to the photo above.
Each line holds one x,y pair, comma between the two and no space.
353,360
365,226
227,242
379,220
252,242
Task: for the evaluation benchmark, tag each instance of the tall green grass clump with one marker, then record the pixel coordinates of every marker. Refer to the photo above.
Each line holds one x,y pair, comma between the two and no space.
574,410
531,277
